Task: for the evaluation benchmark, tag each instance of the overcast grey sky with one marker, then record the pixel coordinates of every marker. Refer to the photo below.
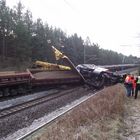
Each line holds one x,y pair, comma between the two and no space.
113,24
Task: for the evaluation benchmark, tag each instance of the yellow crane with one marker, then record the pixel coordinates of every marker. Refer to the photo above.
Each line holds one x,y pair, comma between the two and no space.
52,66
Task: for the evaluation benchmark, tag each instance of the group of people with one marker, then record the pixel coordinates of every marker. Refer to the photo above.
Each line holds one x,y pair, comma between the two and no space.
132,85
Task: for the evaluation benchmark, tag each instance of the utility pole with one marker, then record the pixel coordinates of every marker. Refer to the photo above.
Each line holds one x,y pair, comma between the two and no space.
84,54
86,44
123,60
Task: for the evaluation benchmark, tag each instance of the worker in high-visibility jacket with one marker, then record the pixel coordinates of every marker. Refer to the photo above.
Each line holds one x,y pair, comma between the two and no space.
133,85
137,86
128,85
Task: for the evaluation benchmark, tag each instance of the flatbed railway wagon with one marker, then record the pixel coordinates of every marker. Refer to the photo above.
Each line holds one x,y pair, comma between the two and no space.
17,83
12,82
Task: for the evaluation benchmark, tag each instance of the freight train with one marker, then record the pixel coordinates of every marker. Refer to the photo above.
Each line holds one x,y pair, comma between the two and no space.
47,74
120,67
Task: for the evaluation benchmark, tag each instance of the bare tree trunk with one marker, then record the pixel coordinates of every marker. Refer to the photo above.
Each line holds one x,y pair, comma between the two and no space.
3,46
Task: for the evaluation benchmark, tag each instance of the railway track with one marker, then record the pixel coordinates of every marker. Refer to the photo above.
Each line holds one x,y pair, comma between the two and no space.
47,98
15,124
28,104
30,133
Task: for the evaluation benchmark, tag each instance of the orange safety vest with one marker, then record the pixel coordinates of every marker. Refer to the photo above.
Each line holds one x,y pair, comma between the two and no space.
133,83
128,79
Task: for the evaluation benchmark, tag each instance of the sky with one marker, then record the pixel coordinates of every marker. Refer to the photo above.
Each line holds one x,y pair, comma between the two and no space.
112,24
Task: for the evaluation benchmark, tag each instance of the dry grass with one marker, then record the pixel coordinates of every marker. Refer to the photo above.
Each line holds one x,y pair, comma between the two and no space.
96,119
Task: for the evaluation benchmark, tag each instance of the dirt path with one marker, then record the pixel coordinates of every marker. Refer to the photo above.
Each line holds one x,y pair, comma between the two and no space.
131,128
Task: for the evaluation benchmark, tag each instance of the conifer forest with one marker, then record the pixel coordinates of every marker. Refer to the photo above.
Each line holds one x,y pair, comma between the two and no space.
24,40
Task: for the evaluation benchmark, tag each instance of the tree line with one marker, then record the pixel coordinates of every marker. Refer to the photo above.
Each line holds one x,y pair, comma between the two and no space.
24,40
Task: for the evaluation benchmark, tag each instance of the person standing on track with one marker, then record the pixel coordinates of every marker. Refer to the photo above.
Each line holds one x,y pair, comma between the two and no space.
137,86
128,85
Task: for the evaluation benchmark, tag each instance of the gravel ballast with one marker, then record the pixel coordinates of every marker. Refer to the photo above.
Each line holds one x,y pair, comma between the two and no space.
17,121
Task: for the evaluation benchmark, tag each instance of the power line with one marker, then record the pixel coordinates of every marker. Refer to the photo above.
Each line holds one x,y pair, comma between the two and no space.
67,3
70,5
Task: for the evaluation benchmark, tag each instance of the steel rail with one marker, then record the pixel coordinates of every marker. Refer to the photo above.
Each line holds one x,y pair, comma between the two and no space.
23,106
56,117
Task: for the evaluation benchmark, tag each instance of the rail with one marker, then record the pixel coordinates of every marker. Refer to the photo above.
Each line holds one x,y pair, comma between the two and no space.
23,106
55,117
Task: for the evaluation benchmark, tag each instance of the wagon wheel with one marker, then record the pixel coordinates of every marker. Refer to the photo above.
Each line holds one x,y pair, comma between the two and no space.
1,93
6,92
13,92
21,90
